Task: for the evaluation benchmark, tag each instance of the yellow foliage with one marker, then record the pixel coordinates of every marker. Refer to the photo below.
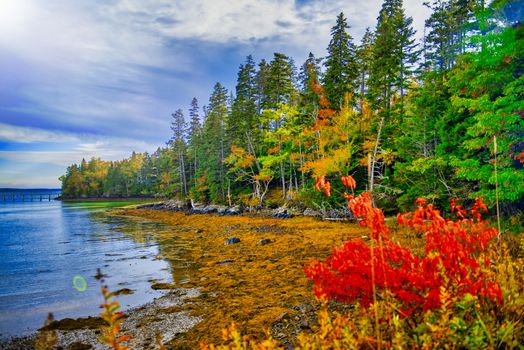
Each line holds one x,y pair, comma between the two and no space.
46,339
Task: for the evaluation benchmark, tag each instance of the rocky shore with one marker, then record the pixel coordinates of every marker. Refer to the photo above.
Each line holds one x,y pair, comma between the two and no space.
248,270
163,316
339,214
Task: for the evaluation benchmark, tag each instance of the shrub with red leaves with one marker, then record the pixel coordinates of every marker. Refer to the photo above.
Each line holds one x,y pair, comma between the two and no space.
456,258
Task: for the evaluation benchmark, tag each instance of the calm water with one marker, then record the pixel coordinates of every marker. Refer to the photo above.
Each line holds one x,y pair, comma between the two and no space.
44,245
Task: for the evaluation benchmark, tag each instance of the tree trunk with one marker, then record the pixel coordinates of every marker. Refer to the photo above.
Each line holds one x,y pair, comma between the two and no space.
373,162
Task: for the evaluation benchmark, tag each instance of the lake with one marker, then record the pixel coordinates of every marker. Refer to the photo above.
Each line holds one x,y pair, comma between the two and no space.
46,245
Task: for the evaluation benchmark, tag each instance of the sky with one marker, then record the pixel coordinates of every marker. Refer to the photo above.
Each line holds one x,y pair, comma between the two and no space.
100,78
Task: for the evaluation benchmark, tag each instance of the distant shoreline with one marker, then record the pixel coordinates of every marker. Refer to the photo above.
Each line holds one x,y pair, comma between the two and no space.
111,199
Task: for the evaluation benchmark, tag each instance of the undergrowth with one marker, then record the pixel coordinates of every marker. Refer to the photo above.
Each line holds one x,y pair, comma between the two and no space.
465,291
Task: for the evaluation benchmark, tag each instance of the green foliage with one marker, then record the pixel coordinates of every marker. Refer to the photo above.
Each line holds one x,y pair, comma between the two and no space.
400,132
341,66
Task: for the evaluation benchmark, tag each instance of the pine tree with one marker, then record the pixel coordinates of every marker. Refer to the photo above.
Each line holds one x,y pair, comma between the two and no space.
309,78
178,143
341,66
280,80
364,59
448,27
194,138
394,56
214,146
243,119
262,77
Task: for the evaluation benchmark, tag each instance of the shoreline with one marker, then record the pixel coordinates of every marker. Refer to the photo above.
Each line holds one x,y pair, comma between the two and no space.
161,315
257,282
250,269
110,199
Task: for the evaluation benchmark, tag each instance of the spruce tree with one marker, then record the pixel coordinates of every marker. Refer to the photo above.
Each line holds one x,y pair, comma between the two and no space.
280,80
194,138
243,118
394,56
262,77
341,66
214,145
309,77
178,143
364,60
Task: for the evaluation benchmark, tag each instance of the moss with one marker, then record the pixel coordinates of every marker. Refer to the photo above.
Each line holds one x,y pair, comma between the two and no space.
159,286
125,291
248,283
79,346
69,324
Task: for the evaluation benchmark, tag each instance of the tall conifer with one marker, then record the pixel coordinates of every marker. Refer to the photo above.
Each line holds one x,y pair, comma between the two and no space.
341,66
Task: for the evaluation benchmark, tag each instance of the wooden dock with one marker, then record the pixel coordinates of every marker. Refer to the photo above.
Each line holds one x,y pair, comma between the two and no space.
29,197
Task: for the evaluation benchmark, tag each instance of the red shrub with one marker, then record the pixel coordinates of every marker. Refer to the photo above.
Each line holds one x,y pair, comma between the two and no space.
455,259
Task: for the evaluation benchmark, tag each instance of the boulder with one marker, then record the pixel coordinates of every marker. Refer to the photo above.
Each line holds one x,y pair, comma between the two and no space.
232,240
282,213
264,241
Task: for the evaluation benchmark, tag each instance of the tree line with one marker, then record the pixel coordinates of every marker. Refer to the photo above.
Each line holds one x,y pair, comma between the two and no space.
439,119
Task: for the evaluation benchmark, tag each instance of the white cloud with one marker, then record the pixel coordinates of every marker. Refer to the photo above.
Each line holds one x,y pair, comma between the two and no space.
19,134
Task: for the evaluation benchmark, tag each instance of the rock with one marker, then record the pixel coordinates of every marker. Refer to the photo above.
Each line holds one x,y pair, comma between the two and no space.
208,209
198,236
264,241
124,291
282,317
232,240
311,212
231,211
175,205
224,262
69,324
157,286
145,206
282,213
304,324
79,346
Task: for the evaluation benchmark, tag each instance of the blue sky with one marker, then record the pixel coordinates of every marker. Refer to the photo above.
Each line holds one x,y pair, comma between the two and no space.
83,78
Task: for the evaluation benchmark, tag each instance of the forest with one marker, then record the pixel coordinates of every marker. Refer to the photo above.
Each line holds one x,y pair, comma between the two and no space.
437,119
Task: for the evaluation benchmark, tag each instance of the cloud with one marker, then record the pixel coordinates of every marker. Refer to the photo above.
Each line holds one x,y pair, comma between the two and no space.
17,134
101,78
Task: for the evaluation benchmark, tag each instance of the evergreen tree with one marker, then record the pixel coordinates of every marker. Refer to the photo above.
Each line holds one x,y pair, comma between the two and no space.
364,59
243,119
194,138
280,87
341,65
394,55
213,144
178,126
262,77
309,78
448,27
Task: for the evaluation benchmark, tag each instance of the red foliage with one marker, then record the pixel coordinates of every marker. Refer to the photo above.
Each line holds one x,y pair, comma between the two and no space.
325,112
349,182
455,259
322,185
